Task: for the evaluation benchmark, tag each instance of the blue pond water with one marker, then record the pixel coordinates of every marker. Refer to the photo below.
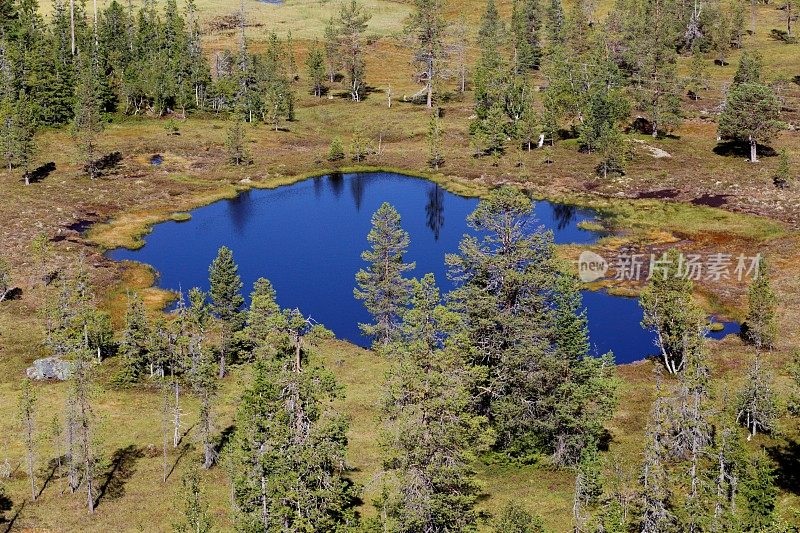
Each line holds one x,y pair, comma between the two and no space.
307,239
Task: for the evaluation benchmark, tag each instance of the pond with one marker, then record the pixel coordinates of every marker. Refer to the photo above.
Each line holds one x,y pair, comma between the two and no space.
307,239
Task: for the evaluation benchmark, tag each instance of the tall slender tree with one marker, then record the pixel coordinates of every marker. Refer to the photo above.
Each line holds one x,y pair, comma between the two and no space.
382,286
226,300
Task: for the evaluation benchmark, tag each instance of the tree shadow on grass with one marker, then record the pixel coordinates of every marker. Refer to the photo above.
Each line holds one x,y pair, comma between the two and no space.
787,457
122,468
742,149
5,505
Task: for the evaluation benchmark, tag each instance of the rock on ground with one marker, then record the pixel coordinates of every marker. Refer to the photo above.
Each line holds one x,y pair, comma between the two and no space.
49,368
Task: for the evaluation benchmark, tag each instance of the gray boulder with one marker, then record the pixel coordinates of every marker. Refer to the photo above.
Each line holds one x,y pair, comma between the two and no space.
49,368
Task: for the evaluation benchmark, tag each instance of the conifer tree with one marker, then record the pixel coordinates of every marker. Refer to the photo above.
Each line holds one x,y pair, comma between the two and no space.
351,23
751,114
235,143
315,65
525,24
336,150
135,343
427,26
698,75
759,493
196,517
670,312
88,124
756,404
381,285
514,519
749,69
783,174
27,418
761,326
82,424
430,436
655,515
5,279
435,153
287,454
226,300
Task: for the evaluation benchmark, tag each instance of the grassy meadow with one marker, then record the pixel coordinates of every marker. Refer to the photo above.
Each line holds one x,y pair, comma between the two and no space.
124,205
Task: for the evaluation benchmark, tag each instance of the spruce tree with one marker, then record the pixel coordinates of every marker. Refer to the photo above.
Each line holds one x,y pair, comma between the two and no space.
226,300
196,517
381,286
430,436
235,143
88,124
287,454
756,403
783,173
761,325
135,342
670,312
759,493
27,418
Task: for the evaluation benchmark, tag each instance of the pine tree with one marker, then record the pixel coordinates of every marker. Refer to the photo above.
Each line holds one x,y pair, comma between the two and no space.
427,25
783,174
435,154
202,371
749,69
196,517
235,143
315,65
381,285
670,312
336,150
751,114
525,24
351,23
761,326
23,132
698,75
430,436
226,300
27,418
287,454
756,403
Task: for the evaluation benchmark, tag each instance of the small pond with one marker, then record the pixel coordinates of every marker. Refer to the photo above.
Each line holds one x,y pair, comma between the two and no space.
307,239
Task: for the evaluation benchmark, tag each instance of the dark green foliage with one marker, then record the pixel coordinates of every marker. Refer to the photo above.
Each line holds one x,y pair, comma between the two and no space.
287,454
749,69
430,436
235,144
435,152
527,334
783,174
759,492
226,300
196,516
315,65
751,114
514,519
761,324
670,312
427,26
135,342
526,22
336,150
381,285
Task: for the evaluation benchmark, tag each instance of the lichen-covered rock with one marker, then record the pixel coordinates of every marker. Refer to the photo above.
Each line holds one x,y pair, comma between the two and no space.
49,368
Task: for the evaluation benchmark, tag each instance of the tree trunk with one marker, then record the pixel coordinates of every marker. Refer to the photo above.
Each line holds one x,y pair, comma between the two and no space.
753,154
